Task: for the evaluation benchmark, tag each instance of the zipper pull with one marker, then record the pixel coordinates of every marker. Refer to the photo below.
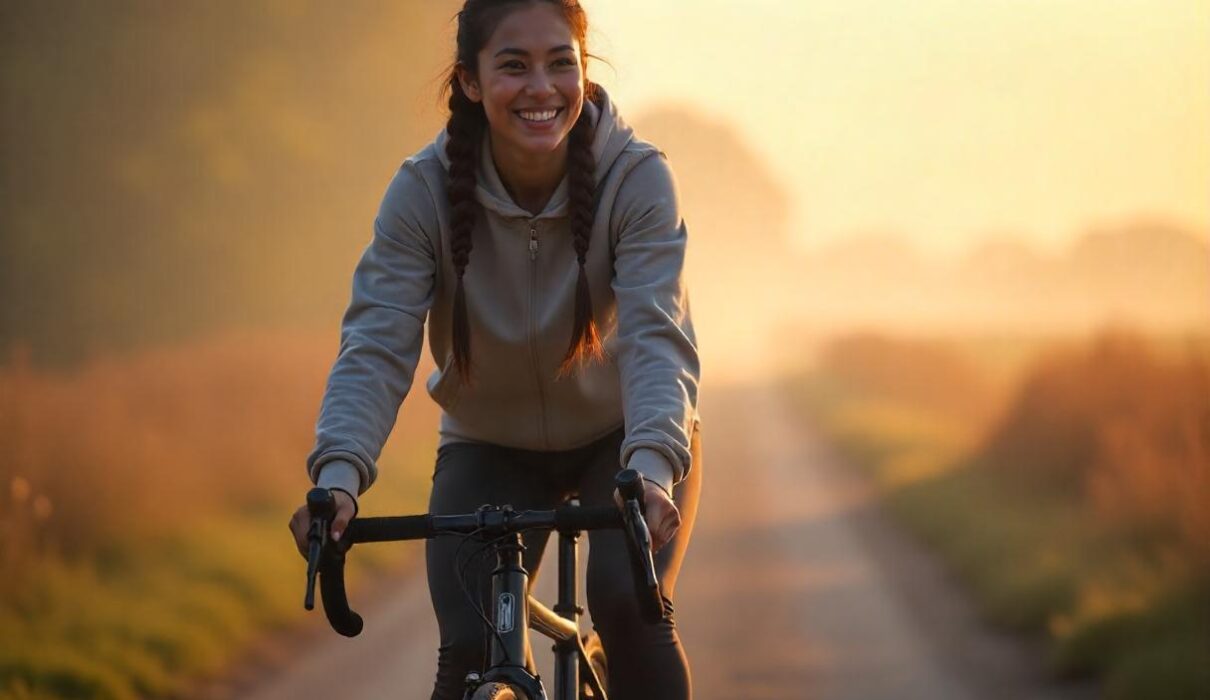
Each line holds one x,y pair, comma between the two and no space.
533,243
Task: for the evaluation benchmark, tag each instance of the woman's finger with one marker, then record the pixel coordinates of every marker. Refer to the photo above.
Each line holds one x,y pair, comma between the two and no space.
662,526
300,524
672,523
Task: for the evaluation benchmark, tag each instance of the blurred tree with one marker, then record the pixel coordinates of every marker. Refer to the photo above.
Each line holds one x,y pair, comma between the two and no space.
740,266
173,168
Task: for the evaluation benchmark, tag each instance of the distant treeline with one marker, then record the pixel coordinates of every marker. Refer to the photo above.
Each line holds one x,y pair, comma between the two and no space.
1148,273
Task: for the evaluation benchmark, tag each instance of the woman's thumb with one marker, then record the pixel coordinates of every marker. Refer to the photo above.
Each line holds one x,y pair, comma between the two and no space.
339,523
344,513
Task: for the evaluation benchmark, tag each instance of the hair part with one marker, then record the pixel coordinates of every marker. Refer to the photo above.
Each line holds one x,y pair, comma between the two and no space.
477,20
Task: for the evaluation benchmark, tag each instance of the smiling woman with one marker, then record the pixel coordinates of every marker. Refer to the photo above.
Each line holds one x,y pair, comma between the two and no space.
567,352
530,81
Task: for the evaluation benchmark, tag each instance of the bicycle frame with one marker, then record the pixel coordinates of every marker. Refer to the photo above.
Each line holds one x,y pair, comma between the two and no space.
510,580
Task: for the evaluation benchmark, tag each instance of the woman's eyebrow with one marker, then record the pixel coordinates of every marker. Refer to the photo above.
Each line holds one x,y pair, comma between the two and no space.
523,52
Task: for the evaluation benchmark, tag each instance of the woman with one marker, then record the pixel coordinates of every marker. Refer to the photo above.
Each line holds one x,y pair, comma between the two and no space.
544,245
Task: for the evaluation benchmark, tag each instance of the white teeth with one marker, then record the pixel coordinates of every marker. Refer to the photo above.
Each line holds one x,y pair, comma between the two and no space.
539,116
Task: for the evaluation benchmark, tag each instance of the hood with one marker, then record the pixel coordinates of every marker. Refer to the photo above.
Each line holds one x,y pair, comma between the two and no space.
611,135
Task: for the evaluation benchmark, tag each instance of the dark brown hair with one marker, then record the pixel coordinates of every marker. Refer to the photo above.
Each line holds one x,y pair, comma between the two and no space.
476,22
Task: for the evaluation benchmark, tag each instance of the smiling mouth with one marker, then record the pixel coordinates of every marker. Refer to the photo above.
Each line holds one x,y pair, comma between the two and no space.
539,116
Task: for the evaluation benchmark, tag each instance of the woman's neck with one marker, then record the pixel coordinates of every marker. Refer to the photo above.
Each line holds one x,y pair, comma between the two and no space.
530,178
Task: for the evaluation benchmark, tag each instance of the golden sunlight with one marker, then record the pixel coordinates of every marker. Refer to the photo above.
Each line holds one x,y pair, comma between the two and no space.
938,121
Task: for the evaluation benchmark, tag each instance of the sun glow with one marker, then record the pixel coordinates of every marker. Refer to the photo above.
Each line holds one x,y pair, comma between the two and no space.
943,122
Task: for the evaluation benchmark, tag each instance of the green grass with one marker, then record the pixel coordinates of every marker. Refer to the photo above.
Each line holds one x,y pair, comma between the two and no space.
180,609
1134,616
144,619
1020,568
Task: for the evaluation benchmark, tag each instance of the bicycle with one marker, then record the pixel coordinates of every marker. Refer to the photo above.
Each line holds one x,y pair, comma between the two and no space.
579,660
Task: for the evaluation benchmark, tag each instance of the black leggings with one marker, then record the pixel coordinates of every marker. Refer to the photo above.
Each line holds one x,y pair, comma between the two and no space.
645,661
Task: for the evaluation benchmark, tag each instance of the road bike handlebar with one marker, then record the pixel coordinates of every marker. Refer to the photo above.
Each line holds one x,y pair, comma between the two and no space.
326,558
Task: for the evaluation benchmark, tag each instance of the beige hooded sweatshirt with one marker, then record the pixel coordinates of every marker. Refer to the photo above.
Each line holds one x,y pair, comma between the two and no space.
520,287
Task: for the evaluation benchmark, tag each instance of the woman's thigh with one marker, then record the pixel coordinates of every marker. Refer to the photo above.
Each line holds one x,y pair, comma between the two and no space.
468,475
647,662
609,563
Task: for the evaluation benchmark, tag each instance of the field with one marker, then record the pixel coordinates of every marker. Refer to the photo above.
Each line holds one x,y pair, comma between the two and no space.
1065,482
145,504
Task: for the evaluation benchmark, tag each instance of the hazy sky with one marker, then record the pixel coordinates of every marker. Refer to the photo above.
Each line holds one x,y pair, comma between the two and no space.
944,120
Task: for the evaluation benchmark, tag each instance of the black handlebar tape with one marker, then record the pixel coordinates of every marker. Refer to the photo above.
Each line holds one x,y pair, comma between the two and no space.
576,518
389,529
336,603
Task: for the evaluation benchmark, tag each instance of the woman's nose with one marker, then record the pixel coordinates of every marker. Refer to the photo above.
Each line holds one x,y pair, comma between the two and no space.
540,83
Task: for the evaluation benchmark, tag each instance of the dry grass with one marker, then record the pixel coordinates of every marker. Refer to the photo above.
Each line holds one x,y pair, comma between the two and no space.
1120,428
124,447
1074,504
144,505
931,376
902,409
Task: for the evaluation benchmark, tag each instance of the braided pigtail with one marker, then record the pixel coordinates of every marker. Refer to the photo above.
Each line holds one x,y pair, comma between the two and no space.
476,21
465,129
585,339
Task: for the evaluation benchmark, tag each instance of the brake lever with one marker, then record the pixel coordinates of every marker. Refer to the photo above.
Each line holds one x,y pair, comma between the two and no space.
322,506
635,520
638,541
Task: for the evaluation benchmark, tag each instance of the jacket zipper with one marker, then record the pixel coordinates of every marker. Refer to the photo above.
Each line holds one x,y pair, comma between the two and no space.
533,345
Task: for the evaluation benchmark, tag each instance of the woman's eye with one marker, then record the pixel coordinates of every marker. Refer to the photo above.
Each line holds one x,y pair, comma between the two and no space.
518,65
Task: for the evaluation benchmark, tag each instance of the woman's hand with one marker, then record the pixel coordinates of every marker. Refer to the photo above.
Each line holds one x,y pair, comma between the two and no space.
300,523
662,517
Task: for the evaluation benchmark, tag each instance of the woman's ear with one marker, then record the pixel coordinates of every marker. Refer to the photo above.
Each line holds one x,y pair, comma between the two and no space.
470,86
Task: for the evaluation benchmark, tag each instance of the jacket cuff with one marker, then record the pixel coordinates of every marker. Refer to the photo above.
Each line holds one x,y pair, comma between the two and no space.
339,474
653,466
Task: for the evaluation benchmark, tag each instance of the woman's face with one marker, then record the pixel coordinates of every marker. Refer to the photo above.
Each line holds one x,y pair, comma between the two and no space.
529,69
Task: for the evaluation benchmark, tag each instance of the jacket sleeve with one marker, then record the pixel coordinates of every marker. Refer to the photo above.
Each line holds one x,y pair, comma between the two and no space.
380,341
657,348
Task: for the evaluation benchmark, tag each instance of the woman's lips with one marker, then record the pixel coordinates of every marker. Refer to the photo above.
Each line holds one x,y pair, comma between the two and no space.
539,125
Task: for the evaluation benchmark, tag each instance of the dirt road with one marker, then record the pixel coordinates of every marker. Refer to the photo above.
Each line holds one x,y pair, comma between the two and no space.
795,587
